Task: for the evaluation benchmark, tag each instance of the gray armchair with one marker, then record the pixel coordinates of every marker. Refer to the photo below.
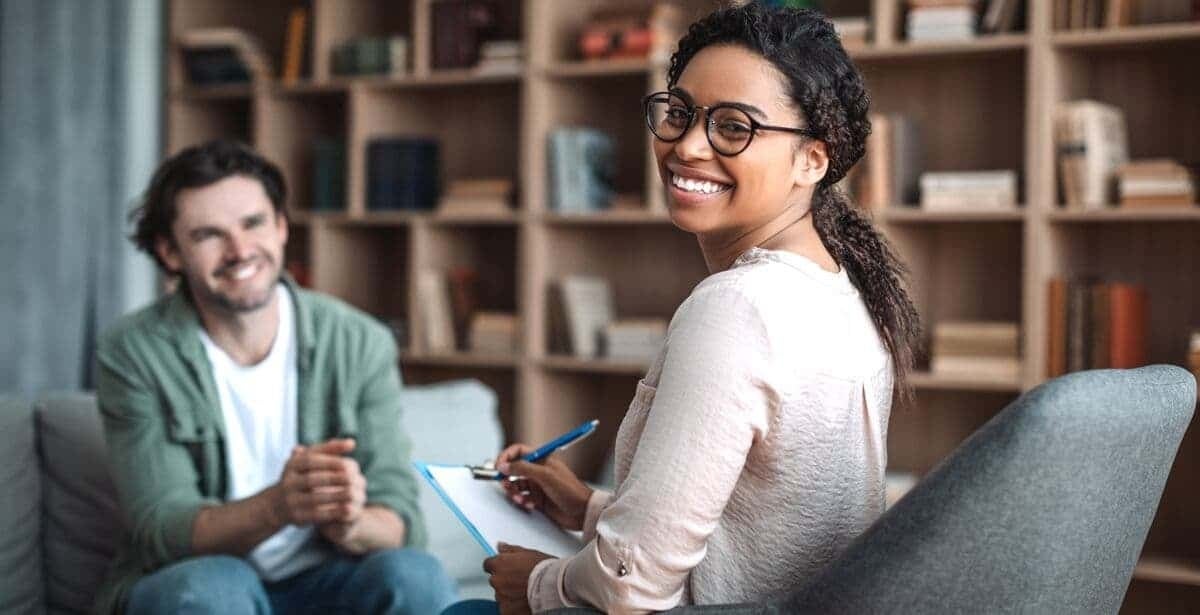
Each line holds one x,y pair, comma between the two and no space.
1042,510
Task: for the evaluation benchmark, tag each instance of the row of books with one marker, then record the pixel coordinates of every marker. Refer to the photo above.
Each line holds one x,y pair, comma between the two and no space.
585,325
1088,14
950,20
976,350
450,318
1094,324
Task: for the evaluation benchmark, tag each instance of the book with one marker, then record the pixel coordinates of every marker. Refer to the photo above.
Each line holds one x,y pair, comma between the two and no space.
587,305
1092,143
491,195
1101,321
434,311
294,45
1056,329
892,163
1156,181
969,190
329,174
464,300
582,170
402,174
1129,318
638,339
1079,313
998,368
494,333
977,339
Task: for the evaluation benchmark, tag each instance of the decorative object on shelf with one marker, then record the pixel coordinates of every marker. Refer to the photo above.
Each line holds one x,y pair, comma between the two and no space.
434,311
462,27
582,168
631,33
371,55
222,56
969,190
1095,325
500,57
1155,182
296,42
852,30
587,308
892,164
976,349
942,20
634,339
494,333
482,196
1092,142
464,301
402,174
329,174
1002,16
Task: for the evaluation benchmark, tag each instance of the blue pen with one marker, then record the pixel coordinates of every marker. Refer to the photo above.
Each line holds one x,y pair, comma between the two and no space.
486,472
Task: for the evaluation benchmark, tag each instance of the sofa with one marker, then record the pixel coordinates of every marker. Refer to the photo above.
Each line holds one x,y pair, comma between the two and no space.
60,522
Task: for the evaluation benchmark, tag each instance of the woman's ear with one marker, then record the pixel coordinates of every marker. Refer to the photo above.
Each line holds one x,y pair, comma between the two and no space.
811,163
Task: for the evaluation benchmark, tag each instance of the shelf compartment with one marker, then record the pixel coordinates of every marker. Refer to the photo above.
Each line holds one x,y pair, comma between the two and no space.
461,359
335,22
364,266
477,128
938,421
197,121
562,400
289,128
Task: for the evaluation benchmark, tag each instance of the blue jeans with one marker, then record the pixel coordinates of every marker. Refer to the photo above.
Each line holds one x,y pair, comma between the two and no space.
473,607
393,581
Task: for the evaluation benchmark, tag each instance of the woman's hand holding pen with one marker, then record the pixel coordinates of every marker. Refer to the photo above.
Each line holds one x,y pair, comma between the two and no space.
549,486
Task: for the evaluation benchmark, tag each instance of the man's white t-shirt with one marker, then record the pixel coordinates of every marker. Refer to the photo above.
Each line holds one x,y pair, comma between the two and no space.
258,403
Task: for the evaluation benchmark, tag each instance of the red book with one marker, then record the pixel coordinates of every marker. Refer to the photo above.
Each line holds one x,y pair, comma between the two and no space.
1056,329
1129,315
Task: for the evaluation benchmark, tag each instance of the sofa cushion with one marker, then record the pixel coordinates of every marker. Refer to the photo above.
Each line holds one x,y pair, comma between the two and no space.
20,549
79,501
452,422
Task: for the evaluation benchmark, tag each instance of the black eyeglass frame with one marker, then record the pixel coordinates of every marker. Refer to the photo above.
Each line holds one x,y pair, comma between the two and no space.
755,125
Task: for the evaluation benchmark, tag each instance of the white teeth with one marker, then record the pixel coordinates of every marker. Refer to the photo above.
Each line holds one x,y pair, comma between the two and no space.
693,185
245,272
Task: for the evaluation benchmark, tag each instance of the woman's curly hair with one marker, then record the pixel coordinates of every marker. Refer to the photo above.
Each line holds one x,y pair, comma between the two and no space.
828,89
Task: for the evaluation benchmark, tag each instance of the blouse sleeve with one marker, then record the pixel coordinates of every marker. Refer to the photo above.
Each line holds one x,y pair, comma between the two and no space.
713,402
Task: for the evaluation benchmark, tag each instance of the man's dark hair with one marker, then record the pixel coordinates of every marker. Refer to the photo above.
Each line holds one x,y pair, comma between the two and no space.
196,167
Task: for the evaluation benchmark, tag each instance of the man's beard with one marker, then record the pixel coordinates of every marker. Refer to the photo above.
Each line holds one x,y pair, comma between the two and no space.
245,305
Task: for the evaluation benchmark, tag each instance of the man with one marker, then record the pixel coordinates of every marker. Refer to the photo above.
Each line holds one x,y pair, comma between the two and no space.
253,427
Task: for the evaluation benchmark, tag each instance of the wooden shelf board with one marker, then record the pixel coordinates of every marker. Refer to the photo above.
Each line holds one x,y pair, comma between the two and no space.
234,91
460,359
1126,36
435,79
1172,213
912,215
992,44
464,219
598,366
930,381
1167,570
378,218
615,216
598,68
309,86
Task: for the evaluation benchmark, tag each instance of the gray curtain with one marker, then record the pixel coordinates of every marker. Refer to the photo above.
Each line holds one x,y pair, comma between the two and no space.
77,135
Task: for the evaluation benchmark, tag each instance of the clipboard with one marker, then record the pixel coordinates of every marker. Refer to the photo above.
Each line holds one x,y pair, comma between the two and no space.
485,511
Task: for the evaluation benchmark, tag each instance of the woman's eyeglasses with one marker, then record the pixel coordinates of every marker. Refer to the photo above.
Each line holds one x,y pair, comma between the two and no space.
729,129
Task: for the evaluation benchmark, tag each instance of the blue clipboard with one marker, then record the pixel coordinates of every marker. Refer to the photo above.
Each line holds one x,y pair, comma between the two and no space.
423,468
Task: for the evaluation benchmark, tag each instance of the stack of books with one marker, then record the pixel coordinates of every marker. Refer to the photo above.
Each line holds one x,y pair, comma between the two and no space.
499,57
371,55
494,333
1194,353
942,20
852,30
969,191
635,339
222,56
1092,143
1095,325
402,174
888,175
989,350
582,170
466,197
1153,182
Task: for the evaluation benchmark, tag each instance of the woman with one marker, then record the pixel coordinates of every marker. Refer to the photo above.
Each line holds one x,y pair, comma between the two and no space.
755,447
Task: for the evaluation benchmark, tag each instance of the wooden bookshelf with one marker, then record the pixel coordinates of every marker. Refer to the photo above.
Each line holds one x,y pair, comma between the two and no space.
980,104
